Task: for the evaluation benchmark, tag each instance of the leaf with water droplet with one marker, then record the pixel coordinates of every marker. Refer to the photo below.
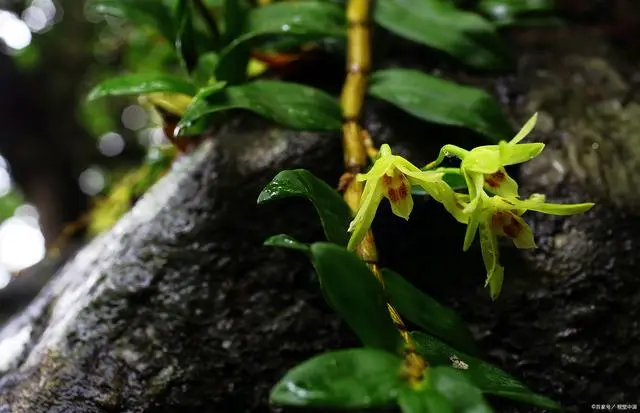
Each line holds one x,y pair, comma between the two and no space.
353,378
289,104
441,101
286,241
518,12
333,211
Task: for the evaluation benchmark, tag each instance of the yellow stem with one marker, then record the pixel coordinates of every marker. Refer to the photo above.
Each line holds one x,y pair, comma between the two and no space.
358,146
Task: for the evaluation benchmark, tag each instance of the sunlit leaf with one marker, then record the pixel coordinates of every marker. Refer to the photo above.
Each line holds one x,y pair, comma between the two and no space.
441,101
488,378
355,293
138,84
354,378
333,211
427,313
289,104
439,24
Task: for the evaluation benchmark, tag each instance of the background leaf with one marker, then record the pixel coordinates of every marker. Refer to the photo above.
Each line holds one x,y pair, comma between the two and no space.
441,101
138,84
508,12
460,392
333,211
310,19
151,13
355,293
486,377
439,24
427,313
288,104
354,378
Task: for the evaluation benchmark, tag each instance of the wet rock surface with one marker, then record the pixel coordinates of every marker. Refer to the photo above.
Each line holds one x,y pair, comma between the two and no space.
181,308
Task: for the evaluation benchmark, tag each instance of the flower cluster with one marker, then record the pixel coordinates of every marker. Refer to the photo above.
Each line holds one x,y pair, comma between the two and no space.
491,205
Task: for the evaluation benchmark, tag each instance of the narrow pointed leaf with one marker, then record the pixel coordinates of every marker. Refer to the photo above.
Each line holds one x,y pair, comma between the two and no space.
333,211
458,390
488,378
355,293
286,241
308,19
354,378
151,13
138,84
441,101
185,42
439,24
288,104
427,313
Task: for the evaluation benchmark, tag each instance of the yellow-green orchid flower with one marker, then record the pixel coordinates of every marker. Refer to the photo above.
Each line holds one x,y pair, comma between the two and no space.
489,161
498,216
392,177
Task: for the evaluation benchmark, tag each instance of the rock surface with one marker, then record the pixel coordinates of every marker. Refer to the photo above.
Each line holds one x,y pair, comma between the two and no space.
181,308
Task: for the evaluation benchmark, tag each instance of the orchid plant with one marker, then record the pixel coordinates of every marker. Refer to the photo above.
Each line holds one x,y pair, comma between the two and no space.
223,49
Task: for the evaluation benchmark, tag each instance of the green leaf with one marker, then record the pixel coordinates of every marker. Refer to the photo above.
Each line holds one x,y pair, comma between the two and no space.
355,293
289,104
458,390
333,211
308,18
151,13
507,12
286,241
439,24
205,68
234,16
138,84
427,313
425,400
232,65
186,36
488,378
353,378
441,101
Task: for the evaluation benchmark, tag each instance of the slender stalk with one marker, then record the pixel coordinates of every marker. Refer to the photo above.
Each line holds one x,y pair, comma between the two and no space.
357,146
